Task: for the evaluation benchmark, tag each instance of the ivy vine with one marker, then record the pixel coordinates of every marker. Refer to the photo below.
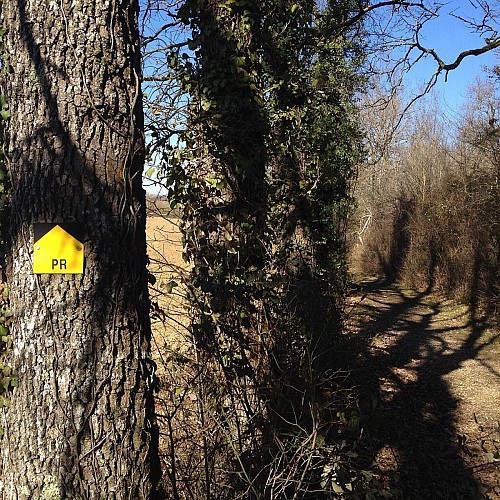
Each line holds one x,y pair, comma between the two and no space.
8,379
262,175
218,176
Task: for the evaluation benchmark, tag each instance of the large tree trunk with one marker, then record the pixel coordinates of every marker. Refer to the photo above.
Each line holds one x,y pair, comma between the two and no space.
80,424
224,226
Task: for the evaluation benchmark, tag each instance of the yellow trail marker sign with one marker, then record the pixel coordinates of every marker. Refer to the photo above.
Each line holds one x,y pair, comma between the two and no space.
58,248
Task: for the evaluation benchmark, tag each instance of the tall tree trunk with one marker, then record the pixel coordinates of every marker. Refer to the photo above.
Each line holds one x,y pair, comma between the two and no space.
222,184
81,423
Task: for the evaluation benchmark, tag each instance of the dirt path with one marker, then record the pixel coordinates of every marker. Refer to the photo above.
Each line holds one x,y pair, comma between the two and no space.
429,377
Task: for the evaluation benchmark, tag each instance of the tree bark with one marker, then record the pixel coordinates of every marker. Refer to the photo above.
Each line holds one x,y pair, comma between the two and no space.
81,423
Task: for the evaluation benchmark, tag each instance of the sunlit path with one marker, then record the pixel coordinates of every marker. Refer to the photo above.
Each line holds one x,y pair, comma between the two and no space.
429,377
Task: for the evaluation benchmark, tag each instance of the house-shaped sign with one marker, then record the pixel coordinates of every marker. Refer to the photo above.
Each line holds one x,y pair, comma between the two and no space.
58,248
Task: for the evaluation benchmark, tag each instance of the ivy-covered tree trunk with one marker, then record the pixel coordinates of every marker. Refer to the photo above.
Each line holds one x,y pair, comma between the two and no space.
262,173
80,424
220,178
314,146
225,192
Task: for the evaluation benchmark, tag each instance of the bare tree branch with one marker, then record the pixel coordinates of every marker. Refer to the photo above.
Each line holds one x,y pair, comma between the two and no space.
490,45
368,8
158,78
151,38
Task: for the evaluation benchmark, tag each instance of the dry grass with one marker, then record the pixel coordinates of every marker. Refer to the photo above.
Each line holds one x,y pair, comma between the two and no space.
170,320
434,370
178,399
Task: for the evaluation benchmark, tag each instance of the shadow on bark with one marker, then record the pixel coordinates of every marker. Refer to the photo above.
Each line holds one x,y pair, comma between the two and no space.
93,329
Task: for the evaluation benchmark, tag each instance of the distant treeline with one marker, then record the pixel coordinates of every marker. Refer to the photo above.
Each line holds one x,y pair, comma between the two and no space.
428,206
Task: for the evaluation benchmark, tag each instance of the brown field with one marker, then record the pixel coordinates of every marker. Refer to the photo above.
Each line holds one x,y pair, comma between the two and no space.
429,373
169,322
172,346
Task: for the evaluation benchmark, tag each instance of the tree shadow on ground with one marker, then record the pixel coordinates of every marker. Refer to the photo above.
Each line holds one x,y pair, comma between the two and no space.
404,351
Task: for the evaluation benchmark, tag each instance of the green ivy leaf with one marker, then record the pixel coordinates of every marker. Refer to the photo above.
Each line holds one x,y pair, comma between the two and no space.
239,61
205,105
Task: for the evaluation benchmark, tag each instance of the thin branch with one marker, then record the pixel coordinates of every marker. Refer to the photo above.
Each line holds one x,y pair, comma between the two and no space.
166,48
396,4
490,45
158,78
154,36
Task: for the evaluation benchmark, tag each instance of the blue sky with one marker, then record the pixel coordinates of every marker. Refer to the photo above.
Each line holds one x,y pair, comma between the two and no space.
450,36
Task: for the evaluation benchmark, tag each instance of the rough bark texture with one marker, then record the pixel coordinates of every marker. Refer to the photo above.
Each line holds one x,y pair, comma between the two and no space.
80,424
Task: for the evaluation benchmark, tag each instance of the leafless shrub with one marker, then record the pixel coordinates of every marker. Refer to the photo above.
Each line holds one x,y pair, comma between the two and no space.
436,224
